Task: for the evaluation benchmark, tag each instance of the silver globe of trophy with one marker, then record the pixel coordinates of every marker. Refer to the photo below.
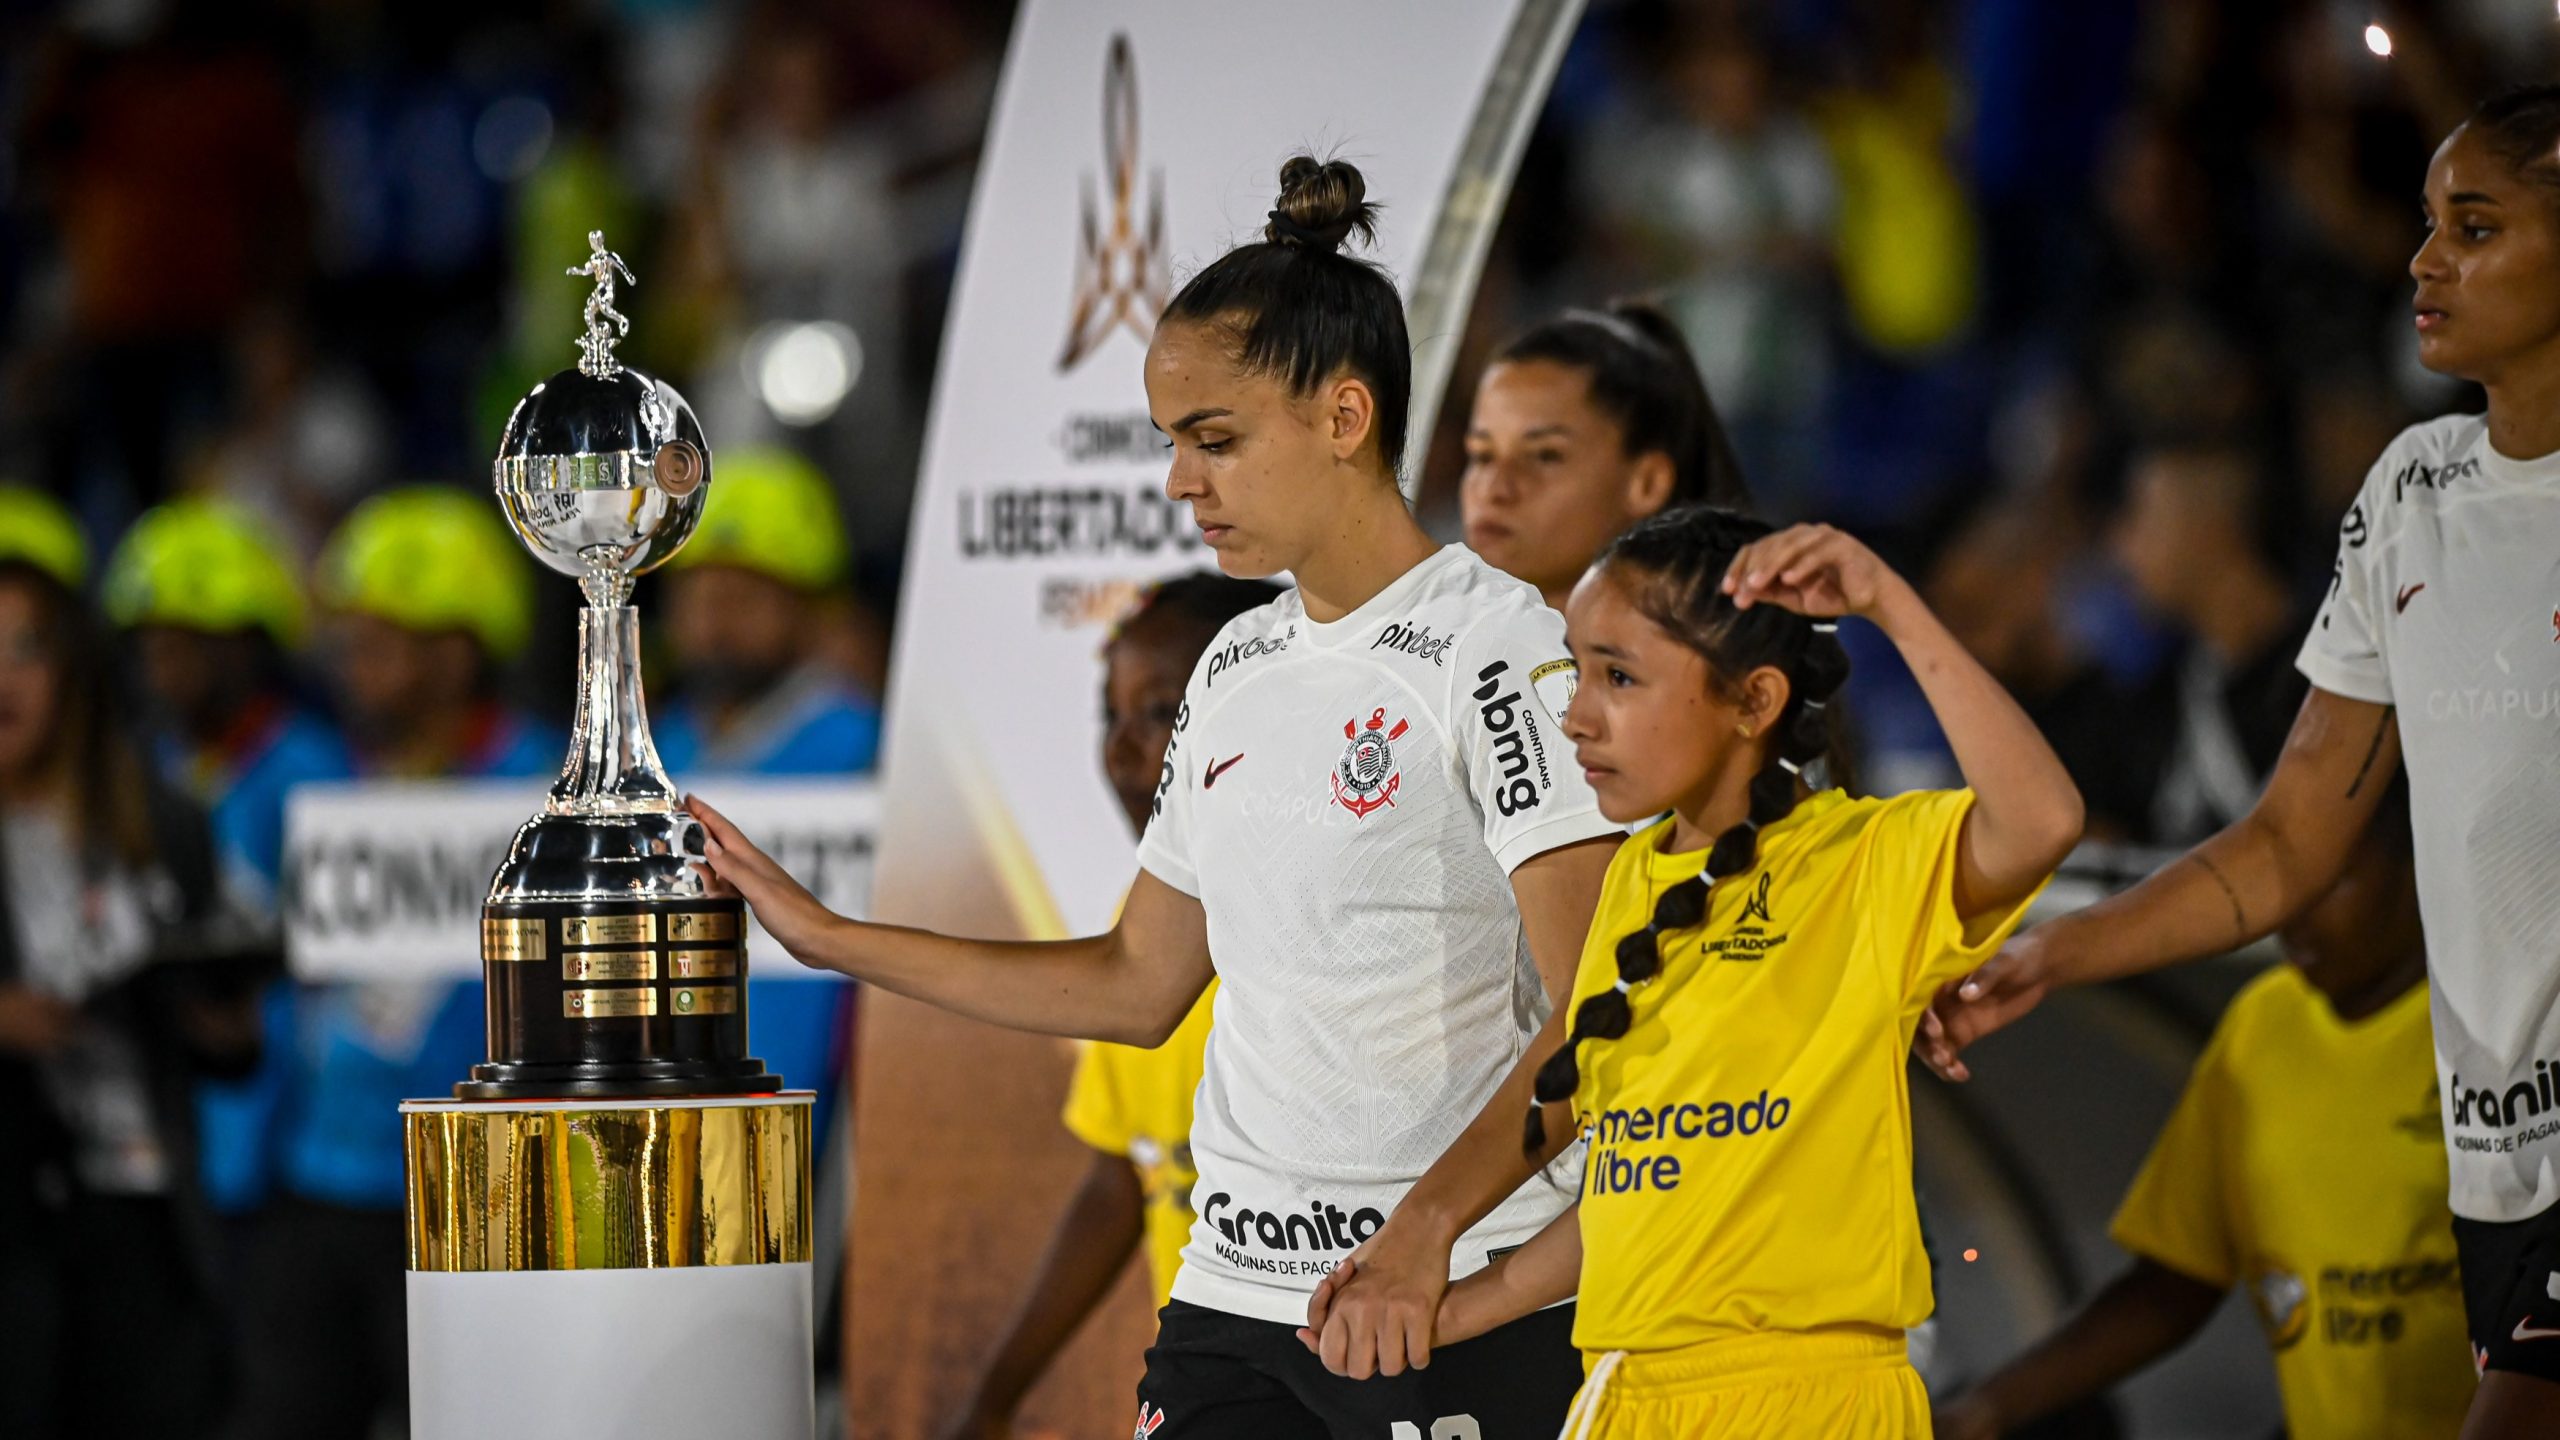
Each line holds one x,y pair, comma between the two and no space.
613,967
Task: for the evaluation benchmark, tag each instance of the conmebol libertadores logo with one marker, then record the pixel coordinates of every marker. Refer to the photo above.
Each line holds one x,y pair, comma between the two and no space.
1120,273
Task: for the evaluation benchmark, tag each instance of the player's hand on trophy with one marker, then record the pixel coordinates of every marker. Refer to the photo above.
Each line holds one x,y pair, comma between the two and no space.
1999,990
1374,1314
783,906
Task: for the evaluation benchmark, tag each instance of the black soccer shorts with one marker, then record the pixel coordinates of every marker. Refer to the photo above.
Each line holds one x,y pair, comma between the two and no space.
2511,1292
1215,1376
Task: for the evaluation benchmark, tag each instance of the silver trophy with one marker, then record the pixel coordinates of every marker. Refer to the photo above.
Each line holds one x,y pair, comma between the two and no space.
613,967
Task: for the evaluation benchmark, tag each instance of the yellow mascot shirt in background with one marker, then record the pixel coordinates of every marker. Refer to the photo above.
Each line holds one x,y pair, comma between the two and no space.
1137,1103
1750,1161
2305,1163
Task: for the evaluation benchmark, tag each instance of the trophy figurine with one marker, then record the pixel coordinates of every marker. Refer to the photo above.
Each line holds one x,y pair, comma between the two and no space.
613,967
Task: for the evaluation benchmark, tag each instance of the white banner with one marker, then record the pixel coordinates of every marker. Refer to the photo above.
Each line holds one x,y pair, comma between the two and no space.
384,879
1134,142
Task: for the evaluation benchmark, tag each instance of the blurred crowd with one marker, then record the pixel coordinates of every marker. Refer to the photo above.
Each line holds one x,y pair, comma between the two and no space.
2091,316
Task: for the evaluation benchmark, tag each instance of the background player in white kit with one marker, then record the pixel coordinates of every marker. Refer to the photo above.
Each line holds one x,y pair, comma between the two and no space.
2440,639
1367,814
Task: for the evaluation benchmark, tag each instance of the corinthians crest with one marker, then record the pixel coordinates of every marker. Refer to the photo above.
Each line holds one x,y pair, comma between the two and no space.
1365,778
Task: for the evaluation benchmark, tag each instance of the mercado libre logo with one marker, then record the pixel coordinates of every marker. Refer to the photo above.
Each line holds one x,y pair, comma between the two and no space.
1366,777
1121,272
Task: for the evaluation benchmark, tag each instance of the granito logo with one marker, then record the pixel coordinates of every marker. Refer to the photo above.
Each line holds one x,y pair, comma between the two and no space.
1414,640
2491,1109
1236,652
1274,1243
1508,724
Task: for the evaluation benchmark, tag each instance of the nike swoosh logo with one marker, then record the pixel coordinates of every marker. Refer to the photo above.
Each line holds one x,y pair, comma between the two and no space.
2408,594
2523,1332
1216,769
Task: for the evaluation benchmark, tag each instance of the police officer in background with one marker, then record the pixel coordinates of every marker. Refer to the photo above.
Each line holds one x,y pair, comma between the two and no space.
753,697
213,609
427,597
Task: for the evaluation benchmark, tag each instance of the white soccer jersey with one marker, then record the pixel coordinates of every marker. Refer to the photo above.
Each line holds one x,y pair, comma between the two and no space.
2446,606
1348,801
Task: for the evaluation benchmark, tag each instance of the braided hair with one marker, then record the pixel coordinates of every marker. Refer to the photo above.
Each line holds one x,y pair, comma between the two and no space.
1673,566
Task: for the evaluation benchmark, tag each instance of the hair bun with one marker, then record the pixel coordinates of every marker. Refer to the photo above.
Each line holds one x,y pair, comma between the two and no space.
1322,203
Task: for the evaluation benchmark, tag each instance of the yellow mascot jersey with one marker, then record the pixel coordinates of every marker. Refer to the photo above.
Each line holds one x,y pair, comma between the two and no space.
2306,1164
1137,1103
1750,1163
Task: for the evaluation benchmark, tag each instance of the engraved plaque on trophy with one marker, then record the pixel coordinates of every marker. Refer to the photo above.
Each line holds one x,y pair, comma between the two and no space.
614,968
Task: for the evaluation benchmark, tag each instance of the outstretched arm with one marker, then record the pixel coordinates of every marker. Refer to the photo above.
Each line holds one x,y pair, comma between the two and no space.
2147,1312
2236,887
1132,985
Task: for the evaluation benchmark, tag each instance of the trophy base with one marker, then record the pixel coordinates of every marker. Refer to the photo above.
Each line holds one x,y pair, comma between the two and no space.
613,1082
616,997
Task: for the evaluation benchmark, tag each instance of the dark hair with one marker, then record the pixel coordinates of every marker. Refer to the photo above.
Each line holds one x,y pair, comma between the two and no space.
90,741
1302,311
1673,566
2522,128
1643,377
1202,601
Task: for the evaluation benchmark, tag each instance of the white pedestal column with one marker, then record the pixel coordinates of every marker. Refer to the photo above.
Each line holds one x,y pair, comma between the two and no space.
634,1269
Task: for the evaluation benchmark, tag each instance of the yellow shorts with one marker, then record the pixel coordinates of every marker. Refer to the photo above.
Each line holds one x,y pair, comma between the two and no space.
1841,1385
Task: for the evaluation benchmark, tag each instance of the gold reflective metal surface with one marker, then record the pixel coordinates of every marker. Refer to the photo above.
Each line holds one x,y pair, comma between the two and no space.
693,964
513,940
608,1004
608,929
609,965
693,925
642,1188
702,1000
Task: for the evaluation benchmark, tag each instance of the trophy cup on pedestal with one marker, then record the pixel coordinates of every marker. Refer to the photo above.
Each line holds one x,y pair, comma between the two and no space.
612,967
609,1227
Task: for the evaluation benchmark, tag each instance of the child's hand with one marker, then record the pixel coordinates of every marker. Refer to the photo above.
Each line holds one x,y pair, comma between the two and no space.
1812,570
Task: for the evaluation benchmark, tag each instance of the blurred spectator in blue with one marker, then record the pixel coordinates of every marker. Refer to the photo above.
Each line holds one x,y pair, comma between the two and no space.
107,1253
1717,191
212,607
428,594
745,604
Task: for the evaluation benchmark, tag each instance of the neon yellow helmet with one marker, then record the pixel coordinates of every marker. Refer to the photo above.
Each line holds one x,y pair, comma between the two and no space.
770,511
204,565
431,558
36,530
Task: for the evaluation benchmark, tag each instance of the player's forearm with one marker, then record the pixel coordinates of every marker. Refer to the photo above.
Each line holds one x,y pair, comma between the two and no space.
2144,1314
1094,1239
2027,813
2234,888
1544,1272
1091,988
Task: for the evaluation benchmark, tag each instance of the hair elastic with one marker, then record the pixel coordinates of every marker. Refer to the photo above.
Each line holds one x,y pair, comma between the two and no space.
1789,766
1291,231
1826,627
1813,704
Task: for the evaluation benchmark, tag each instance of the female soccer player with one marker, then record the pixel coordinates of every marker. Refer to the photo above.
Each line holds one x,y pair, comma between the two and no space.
1582,426
2439,639
1746,1248
1366,813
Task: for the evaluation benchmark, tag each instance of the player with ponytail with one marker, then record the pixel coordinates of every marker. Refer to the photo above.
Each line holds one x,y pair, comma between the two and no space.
1365,809
1745,1249
1584,424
